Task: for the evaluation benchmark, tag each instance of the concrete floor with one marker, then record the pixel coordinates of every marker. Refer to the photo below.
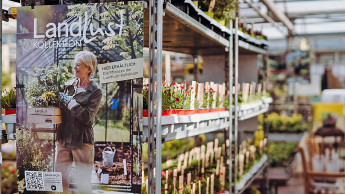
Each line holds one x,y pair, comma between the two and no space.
295,185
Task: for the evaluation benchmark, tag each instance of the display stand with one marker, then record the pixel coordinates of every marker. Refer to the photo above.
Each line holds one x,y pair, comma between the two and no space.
177,21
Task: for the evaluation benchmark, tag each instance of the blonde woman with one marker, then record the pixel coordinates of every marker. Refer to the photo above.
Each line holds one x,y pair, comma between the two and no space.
80,103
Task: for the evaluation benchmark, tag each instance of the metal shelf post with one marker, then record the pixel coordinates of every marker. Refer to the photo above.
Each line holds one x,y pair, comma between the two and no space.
152,96
159,95
231,72
236,100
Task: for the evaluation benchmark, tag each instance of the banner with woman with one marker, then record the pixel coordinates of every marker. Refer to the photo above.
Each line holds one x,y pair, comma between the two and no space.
79,97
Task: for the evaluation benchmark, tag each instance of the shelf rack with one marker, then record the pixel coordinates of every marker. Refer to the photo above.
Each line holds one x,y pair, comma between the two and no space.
179,127
188,30
249,177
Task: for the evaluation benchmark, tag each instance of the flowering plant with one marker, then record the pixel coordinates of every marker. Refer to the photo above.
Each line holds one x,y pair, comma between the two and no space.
42,88
146,97
166,96
181,96
208,98
226,102
8,99
9,177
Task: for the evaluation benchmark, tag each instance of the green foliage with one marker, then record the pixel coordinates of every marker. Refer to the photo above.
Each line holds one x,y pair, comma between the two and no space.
281,152
130,43
32,154
41,88
6,79
208,98
223,10
283,123
226,102
166,97
146,97
8,99
181,96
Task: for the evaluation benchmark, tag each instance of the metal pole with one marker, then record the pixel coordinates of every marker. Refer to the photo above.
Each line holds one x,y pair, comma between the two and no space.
159,94
131,131
236,98
231,68
106,113
151,108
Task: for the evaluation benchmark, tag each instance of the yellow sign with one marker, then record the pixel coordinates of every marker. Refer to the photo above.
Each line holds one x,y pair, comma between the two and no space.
13,12
322,110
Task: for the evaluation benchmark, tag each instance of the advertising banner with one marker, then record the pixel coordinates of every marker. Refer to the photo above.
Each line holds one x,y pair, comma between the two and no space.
79,97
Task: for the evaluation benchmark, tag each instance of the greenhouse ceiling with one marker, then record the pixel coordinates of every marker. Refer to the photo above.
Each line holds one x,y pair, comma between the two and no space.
302,17
308,17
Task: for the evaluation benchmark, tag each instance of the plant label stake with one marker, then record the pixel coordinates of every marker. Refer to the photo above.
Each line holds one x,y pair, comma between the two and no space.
221,162
210,151
212,184
166,189
200,94
198,158
207,90
180,184
203,167
142,176
174,179
207,159
189,179
259,89
193,188
191,153
217,167
185,160
211,7
241,163
166,175
222,174
247,158
215,144
179,165
192,95
199,187
208,185
147,184
182,171
252,152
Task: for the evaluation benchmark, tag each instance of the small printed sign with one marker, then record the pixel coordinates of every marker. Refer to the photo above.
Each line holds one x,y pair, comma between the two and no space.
122,70
43,181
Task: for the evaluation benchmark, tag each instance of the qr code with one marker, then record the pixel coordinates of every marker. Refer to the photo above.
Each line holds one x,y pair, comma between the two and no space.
34,181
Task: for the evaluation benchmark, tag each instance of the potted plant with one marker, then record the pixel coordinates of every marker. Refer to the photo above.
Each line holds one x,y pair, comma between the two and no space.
181,99
8,101
42,95
166,99
221,10
145,100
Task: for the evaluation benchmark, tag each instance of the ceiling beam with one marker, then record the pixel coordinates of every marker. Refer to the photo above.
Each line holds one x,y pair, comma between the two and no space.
263,15
277,13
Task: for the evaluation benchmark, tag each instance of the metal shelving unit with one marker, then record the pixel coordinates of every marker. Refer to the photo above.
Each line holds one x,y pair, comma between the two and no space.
250,176
188,30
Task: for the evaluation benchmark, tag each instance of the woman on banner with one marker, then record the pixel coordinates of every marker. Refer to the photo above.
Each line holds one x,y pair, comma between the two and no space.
80,103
